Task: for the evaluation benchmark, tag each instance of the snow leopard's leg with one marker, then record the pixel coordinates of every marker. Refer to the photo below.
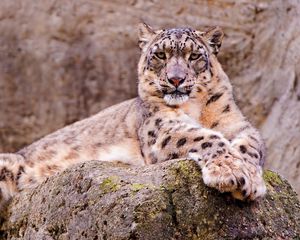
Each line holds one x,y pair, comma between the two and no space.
245,141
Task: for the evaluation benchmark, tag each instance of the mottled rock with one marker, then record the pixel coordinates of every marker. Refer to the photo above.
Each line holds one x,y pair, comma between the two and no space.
98,200
61,61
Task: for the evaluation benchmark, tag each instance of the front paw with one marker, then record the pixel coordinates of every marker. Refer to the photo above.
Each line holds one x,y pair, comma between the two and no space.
224,174
257,188
227,173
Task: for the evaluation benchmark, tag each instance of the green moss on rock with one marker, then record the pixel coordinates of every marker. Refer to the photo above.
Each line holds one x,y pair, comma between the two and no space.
137,187
110,184
272,178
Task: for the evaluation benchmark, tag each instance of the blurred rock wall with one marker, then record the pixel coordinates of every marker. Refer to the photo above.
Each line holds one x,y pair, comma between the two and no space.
63,60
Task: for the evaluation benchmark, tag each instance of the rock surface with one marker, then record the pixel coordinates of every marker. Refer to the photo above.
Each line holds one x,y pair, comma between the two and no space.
64,60
97,200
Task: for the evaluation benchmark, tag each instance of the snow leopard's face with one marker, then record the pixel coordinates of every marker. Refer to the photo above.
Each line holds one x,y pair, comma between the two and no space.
175,62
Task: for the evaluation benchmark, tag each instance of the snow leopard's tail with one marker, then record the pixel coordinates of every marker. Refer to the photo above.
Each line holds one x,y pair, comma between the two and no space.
11,168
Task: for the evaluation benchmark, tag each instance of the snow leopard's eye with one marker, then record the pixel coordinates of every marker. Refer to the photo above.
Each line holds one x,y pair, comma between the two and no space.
160,55
194,56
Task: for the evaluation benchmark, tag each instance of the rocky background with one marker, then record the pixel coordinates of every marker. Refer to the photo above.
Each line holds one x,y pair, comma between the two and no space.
63,60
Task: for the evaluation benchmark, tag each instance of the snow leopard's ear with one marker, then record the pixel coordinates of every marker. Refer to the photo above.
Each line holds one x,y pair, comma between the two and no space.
145,34
213,38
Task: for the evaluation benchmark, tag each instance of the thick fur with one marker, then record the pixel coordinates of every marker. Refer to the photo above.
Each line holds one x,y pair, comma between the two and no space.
185,108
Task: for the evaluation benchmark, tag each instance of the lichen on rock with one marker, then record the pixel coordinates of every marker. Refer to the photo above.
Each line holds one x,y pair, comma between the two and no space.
110,184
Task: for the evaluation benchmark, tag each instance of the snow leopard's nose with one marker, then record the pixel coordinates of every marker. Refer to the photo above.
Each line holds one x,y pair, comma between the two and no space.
176,81
176,74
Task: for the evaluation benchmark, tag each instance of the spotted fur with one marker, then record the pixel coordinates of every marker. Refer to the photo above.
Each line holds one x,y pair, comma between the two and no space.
185,108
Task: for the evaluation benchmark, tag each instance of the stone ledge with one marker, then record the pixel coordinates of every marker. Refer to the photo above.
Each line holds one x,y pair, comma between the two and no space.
98,200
